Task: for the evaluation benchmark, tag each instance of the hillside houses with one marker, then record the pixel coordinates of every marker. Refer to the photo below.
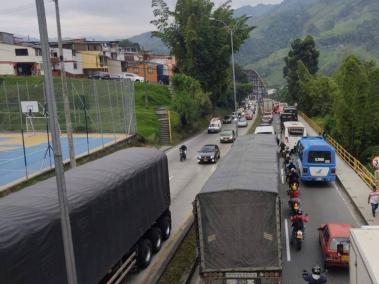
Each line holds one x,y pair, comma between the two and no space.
82,58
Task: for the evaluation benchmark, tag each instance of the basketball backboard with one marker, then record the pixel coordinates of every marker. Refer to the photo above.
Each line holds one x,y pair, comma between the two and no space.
29,106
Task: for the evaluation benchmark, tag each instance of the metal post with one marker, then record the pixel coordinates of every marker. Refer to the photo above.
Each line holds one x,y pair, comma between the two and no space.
234,79
66,103
144,78
6,101
19,106
59,170
23,148
111,109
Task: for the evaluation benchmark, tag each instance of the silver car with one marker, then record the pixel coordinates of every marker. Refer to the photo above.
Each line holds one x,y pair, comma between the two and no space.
242,122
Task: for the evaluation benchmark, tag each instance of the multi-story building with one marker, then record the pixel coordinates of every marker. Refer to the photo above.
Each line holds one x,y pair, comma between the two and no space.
72,62
18,59
95,55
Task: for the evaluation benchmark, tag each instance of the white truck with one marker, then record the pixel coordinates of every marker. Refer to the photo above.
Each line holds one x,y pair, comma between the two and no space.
267,105
364,251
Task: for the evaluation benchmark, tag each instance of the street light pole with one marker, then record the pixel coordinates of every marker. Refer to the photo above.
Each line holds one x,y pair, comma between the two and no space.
234,80
66,103
230,30
53,123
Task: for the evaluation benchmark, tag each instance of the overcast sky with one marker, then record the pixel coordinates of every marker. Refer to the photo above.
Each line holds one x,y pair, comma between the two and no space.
113,19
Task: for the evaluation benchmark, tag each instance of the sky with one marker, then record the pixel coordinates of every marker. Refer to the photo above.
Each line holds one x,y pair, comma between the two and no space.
111,19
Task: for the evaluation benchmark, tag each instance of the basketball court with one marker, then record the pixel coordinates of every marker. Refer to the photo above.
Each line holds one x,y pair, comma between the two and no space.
39,156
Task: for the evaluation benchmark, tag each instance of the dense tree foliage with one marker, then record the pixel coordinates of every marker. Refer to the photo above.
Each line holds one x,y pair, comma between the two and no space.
189,100
195,32
348,102
302,52
356,107
130,44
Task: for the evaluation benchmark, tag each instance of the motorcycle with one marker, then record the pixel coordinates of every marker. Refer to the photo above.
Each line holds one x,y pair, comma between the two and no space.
183,155
298,239
294,205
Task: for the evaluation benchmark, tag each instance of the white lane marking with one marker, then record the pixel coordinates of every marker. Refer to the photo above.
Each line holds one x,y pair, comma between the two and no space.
171,177
347,205
287,240
282,175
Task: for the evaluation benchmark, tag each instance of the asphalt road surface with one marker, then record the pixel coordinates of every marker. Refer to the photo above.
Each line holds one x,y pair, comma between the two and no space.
324,203
186,180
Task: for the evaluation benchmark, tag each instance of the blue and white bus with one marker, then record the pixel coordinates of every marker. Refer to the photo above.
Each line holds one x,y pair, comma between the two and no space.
316,159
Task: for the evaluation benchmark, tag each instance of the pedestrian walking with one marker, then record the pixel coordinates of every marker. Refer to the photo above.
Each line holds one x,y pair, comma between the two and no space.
373,199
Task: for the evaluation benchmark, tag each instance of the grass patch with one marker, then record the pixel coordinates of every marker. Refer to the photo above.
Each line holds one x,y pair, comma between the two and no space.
257,121
182,261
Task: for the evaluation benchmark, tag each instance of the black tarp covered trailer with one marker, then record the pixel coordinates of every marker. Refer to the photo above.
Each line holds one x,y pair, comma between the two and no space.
237,215
113,201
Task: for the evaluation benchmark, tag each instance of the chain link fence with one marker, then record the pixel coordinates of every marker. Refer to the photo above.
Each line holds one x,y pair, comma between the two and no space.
97,106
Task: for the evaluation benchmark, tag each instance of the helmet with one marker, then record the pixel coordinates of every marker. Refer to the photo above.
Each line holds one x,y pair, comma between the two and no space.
316,270
296,205
293,170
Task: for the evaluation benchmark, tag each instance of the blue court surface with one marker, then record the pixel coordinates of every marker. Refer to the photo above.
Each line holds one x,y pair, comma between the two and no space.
12,166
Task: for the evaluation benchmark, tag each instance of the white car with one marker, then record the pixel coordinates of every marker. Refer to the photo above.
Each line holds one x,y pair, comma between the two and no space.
133,77
242,122
264,130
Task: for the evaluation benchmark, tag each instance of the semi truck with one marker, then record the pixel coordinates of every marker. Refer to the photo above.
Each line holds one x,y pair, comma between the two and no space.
119,214
237,216
363,255
267,106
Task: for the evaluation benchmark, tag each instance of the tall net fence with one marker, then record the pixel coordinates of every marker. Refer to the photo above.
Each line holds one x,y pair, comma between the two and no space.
102,113
97,106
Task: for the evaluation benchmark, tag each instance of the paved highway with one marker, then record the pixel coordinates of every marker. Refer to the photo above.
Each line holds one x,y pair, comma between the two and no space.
325,203
186,180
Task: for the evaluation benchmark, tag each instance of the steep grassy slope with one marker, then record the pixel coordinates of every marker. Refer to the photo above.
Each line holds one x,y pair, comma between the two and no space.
340,27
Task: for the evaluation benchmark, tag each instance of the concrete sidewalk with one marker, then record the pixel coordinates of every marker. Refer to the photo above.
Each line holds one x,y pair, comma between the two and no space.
354,186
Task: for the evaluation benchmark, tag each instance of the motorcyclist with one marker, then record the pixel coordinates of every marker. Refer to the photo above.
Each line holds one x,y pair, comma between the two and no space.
292,176
316,277
298,221
183,152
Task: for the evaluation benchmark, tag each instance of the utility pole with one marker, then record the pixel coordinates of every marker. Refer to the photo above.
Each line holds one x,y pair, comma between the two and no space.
66,103
59,170
144,77
234,79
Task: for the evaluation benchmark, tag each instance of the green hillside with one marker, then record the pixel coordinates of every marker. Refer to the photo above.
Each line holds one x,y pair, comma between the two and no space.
340,27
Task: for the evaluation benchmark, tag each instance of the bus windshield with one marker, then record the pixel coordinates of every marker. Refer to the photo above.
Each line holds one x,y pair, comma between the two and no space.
298,131
319,157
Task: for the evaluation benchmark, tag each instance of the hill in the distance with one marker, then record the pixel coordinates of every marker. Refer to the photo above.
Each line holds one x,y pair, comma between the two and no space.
340,27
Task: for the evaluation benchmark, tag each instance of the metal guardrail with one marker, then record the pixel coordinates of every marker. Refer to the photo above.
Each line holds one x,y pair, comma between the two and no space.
356,165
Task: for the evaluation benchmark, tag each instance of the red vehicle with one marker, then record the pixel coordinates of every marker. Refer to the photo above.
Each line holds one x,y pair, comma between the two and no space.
249,116
333,238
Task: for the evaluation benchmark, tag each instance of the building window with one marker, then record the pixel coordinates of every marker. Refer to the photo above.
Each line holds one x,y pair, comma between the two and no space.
21,52
150,70
73,52
75,65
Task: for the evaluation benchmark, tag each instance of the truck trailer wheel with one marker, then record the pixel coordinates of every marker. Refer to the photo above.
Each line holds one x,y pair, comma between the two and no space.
155,237
144,253
165,226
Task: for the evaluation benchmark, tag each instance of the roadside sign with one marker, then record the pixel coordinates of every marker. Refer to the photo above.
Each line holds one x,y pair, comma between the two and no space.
375,162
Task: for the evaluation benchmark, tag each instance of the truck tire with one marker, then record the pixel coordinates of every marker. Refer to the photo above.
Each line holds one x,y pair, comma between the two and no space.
165,226
155,237
144,253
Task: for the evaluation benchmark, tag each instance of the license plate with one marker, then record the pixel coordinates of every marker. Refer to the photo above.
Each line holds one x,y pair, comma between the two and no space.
345,258
319,179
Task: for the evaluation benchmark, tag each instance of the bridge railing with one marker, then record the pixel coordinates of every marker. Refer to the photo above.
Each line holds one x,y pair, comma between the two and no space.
356,165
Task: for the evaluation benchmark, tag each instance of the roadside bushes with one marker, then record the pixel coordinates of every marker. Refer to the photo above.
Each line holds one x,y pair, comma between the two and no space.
189,100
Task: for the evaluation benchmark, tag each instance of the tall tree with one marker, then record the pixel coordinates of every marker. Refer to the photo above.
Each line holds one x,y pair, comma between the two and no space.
352,101
195,32
306,52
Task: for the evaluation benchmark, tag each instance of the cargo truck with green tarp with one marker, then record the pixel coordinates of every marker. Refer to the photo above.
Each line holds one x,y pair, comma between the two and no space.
237,216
